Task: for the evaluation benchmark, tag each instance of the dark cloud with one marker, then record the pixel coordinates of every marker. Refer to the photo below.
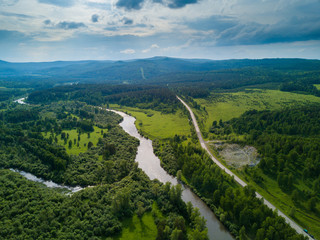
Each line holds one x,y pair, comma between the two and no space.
130,4
217,23
95,18
60,3
47,22
9,14
180,3
127,21
138,4
70,25
291,30
11,37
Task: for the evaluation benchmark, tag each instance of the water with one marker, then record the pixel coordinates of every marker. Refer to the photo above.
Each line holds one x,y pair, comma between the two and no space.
150,164
49,184
21,101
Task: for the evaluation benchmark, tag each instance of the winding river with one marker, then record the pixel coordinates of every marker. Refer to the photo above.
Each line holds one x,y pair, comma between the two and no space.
150,164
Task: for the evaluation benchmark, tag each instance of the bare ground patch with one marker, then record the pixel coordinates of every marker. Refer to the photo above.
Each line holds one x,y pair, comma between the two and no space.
235,155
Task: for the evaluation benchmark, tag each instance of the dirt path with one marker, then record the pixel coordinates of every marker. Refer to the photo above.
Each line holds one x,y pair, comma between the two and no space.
236,178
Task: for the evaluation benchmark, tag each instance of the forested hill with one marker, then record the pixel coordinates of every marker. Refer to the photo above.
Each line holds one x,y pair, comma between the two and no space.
141,69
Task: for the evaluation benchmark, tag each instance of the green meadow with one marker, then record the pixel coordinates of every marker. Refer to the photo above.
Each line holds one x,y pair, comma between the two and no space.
155,124
226,106
317,86
135,228
84,140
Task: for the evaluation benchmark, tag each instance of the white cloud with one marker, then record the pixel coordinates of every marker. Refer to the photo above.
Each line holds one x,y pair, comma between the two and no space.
150,48
128,51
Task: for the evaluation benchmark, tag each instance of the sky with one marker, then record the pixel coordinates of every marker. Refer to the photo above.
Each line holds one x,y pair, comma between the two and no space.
51,30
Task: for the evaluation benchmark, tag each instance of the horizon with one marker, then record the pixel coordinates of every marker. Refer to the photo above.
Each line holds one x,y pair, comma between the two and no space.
149,58
75,30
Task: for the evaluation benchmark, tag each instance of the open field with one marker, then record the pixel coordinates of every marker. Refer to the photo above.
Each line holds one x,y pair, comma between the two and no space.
136,228
317,86
154,124
226,106
84,140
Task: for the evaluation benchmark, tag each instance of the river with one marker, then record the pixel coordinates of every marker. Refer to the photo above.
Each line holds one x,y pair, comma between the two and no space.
150,164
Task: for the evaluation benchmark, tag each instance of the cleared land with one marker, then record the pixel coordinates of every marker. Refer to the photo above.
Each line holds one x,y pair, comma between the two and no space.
155,124
136,228
84,140
317,86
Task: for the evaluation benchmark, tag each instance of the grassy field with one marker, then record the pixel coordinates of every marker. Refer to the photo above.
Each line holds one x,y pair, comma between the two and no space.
154,124
226,106
84,140
136,228
317,86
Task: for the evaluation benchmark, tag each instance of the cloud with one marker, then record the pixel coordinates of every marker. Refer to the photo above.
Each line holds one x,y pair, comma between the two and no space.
128,51
130,4
59,3
70,25
138,4
150,48
181,3
95,18
127,21
252,33
8,2
9,14
47,22
12,37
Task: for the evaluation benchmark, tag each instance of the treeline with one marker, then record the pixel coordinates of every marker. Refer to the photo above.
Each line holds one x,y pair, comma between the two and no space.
30,211
300,87
158,98
237,208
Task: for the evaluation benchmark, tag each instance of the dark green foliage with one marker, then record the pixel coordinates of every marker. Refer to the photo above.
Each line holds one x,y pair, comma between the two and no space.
157,98
238,208
119,188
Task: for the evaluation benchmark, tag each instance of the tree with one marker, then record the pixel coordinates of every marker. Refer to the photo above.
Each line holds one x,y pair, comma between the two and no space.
140,209
242,233
311,204
90,144
295,196
70,144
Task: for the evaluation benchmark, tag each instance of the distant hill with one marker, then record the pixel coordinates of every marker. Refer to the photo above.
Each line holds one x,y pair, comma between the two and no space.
152,70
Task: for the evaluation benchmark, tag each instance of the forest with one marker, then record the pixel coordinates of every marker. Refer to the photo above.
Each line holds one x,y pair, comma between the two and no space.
39,143
288,143
62,136
237,208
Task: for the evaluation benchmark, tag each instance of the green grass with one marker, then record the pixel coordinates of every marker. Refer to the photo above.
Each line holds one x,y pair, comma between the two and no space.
135,228
317,86
84,140
226,106
154,124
